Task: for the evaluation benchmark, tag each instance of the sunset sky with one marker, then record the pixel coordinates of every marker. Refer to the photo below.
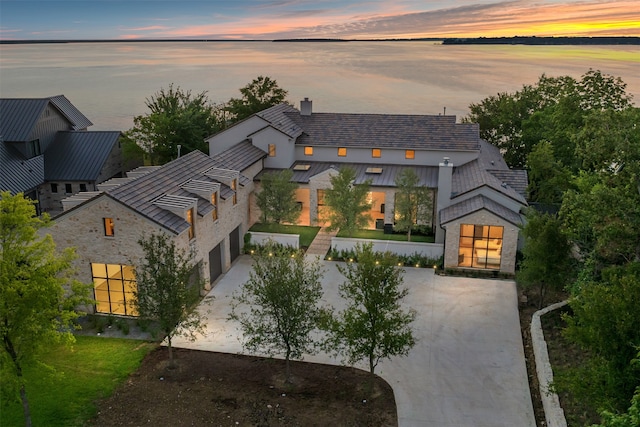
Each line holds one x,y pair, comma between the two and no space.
346,19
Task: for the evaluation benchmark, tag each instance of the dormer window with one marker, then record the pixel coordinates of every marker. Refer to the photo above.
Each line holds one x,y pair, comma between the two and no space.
214,202
190,220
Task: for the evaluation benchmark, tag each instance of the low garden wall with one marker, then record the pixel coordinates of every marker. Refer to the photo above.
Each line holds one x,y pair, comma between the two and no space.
259,238
428,250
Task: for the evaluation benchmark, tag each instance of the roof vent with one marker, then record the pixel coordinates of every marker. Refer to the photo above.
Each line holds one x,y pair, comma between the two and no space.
446,160
374,170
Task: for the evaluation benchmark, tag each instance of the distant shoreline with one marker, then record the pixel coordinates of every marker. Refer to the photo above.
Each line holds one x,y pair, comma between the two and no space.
516,40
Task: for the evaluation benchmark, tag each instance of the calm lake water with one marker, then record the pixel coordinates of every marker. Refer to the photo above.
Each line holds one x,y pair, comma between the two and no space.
109,82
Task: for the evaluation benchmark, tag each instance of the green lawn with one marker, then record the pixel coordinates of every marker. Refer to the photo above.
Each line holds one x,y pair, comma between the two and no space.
89,370
307,234
379,235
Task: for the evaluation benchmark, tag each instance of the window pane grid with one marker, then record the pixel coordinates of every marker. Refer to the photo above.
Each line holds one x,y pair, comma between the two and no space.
113,293
480,246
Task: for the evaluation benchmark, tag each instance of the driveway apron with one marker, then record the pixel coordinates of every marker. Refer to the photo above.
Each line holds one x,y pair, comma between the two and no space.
466,369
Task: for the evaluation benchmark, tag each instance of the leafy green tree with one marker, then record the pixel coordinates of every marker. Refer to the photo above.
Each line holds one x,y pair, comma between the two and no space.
282,296
548,178
373,326
277,197
347,202
629,419
553,110
413,202
547,254
175,118
166,291
38,297
606,322
260,94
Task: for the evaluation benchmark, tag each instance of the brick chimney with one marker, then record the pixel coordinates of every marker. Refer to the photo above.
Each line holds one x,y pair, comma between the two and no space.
305,107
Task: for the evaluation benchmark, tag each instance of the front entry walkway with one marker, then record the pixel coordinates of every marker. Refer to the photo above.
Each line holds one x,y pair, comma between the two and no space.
467,368
322,243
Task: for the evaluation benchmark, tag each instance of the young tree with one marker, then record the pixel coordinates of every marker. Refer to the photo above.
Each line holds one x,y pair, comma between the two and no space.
260,94
277,197
413,201
37,295
164,293
176,118
547,256
282,297
373,325
347,202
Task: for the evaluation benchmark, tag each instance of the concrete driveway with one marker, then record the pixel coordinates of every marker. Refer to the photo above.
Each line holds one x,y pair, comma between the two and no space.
467,368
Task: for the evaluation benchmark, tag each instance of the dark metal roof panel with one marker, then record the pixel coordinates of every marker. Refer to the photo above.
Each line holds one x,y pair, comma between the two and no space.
17,174
18,117
78,155
78,120
278,118
386,131
514,178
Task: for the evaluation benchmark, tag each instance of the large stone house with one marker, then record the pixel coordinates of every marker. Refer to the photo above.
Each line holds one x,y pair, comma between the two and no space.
477,198
47,153
201,202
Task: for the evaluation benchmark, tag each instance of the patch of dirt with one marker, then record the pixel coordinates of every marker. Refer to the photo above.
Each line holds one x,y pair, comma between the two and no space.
218,389
528,304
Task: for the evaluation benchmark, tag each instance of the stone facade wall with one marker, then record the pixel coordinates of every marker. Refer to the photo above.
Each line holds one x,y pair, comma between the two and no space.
482,217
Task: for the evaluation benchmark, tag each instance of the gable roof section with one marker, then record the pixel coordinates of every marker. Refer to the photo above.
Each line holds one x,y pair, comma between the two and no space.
78,155
20,115
17,174
477,203
475,174
240,156
279,118
428,175
515,178
387,131
141,193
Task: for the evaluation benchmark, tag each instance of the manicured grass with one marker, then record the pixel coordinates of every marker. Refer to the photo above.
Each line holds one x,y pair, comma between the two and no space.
379,235
307,234
89,370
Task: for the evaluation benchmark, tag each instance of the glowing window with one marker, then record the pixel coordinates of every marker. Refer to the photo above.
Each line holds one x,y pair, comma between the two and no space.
234,187
376,153
272,150
409,154
114,286
192,231
308,151
480,246
108,227
342,152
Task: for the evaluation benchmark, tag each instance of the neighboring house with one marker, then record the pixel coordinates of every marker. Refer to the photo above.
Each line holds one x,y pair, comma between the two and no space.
47,153
199,201
477,198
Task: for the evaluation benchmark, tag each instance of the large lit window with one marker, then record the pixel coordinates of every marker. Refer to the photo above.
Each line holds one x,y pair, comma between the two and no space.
376,153
308,151
342,152
321,195
108,227
480,246
234,187
214,202
190,220
114,286
409,154
272,150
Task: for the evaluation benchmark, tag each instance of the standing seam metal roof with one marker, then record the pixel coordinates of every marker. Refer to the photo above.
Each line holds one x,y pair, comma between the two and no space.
475,204
17,174
78,155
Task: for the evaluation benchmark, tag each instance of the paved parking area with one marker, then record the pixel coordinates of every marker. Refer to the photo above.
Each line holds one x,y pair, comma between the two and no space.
467,368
